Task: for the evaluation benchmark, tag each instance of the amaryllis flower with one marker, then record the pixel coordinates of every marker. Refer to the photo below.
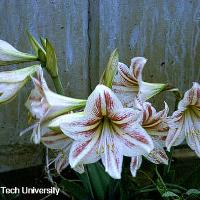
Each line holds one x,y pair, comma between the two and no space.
107,131
44,104
11,82
185,122
9,55
155,125
128,83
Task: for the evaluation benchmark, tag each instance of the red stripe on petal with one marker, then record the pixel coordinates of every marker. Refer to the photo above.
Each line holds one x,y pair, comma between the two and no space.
109,102
80,148
97,108
150,111
139,137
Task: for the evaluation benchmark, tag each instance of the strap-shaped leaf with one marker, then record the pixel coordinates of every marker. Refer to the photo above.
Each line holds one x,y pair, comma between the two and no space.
74,189
36,46
43,42
96,181
51,62
111,69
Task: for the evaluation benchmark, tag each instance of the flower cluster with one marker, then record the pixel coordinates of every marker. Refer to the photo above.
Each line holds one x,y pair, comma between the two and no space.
120,122
115,121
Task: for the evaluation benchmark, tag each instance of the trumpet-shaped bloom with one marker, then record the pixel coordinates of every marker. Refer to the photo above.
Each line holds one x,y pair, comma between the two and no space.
185,122
44,104
9,55
155,125
128,83
12,81
107,131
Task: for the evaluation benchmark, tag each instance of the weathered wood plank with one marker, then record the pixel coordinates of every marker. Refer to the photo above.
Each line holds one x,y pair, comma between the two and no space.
165,32
65,23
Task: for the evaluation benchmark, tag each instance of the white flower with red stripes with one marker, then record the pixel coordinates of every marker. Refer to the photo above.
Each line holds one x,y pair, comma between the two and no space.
128,83
44,105
185,122
155,125
106,131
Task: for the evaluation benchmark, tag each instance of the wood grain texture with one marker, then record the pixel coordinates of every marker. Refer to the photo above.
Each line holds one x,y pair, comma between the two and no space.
166,32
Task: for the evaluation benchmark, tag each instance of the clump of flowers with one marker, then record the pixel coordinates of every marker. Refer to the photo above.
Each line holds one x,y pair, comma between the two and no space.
114,122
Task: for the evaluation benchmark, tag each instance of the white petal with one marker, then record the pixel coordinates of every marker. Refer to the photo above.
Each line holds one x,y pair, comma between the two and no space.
148,90
55,140
102,102
136,68
79,168
12,81
155,123
176,133
62,159
157,155
192,129
135,164
125,86
43,103
8,91
80,128
80,149
110,151
191,97
134,134
10,55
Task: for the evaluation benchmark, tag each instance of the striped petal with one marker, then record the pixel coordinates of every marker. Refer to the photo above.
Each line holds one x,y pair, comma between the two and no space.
55,139
184,123
176,134
155,122
110,151
128,83
192,129
80,128
134,135
157,155
43,103
136,68
125,83
135,164
102,102
80,150
191,98
62,159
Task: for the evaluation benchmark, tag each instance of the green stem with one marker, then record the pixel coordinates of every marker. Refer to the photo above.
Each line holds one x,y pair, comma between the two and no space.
58,85
178,97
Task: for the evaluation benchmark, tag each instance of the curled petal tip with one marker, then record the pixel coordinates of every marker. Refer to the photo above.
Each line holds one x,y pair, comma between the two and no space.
138,60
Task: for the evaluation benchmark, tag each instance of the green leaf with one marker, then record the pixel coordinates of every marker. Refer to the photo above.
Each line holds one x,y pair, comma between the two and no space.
43,42
36,46
96,180
42,57
193,191
51,62
169,194
111,69
74,189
